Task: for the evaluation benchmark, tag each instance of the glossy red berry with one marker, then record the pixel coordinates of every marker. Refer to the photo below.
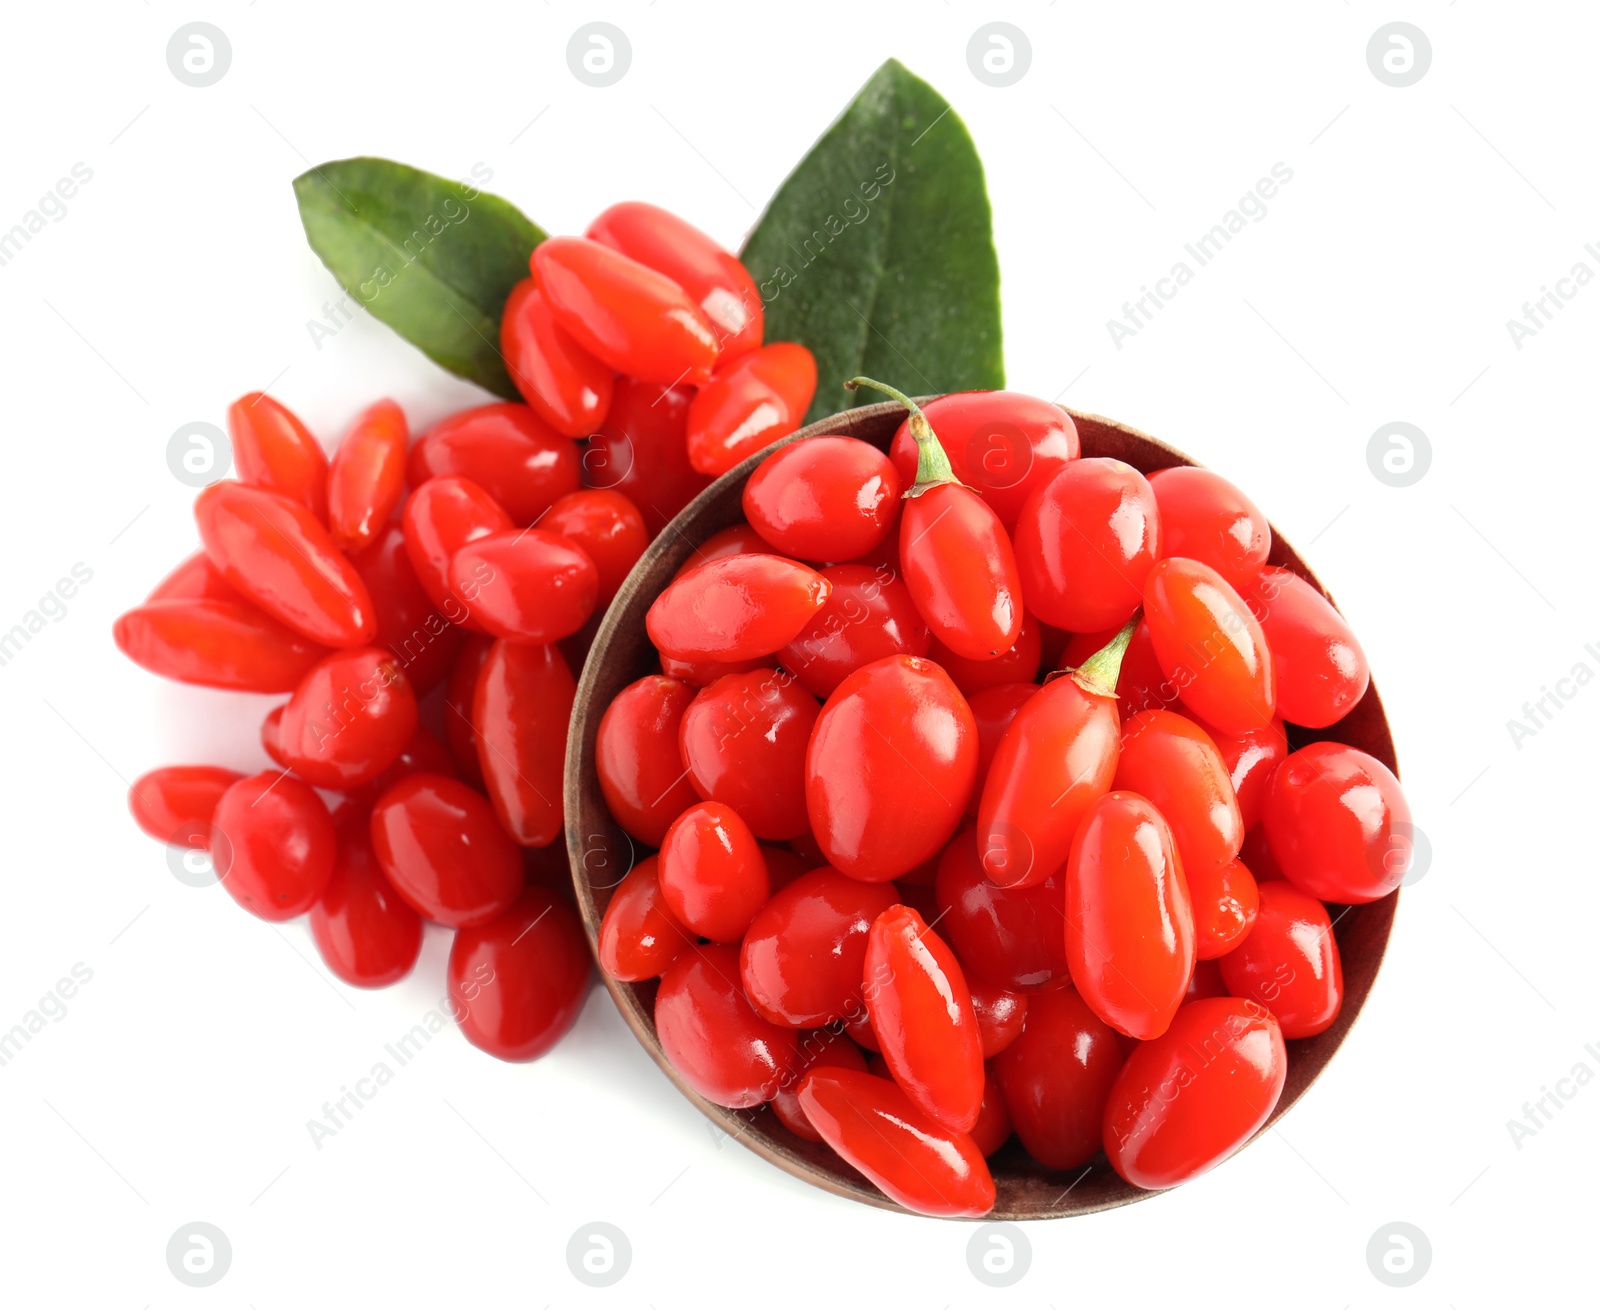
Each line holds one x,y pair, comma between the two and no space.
459,697
526,585
518,981
711,277
566,386
907,1155
993,1129
422,753
1085,542
442,516
743,740
1002,444
1318,665
869,615
607,527
364,932
1224,903
1001,1013
216,643
825,498
1206,980
993,709
368,476
713,875
1206,517
1057,1076
441,847
274,450
631,317
1018,664
922,1013
738,608
1289,962
715,1039
348,720
1209,645
422,641
641,450
175,804
889,768
803,954
1172,762
637,757
1338,824
1008,937
272,845
738,539
276,553
1189,1099
639,935
821,1048
1250,758
520,708
749,403
1050,765
957,560
521,463
195,579
1130,927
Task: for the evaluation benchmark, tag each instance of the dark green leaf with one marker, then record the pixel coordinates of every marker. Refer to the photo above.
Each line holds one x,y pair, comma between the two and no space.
432,258
877,253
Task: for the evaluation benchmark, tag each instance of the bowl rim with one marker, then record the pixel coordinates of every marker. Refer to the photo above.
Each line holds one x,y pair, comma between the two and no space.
747,1126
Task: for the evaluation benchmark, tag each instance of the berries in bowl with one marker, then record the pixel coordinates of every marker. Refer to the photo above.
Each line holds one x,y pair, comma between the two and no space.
939,813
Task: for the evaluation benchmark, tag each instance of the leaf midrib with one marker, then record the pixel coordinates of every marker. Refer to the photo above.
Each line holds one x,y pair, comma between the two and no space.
447,289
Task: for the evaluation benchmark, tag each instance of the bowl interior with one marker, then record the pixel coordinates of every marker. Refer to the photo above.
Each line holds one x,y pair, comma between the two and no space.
601,853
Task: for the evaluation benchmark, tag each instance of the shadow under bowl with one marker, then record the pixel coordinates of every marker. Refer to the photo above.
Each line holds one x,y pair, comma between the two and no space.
601,853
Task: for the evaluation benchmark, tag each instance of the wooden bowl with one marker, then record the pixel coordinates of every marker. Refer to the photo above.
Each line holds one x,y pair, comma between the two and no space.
601,853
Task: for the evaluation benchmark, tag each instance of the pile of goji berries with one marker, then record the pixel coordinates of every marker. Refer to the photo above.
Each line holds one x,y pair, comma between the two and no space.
455,584
975,812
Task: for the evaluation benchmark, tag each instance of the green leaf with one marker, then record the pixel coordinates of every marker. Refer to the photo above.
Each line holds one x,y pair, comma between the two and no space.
877,253
432,258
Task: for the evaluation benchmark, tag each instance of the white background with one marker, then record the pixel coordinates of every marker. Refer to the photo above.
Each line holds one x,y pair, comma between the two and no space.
178,1085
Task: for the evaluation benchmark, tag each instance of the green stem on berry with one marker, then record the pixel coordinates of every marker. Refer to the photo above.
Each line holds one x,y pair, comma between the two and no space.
1098,674
933,465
